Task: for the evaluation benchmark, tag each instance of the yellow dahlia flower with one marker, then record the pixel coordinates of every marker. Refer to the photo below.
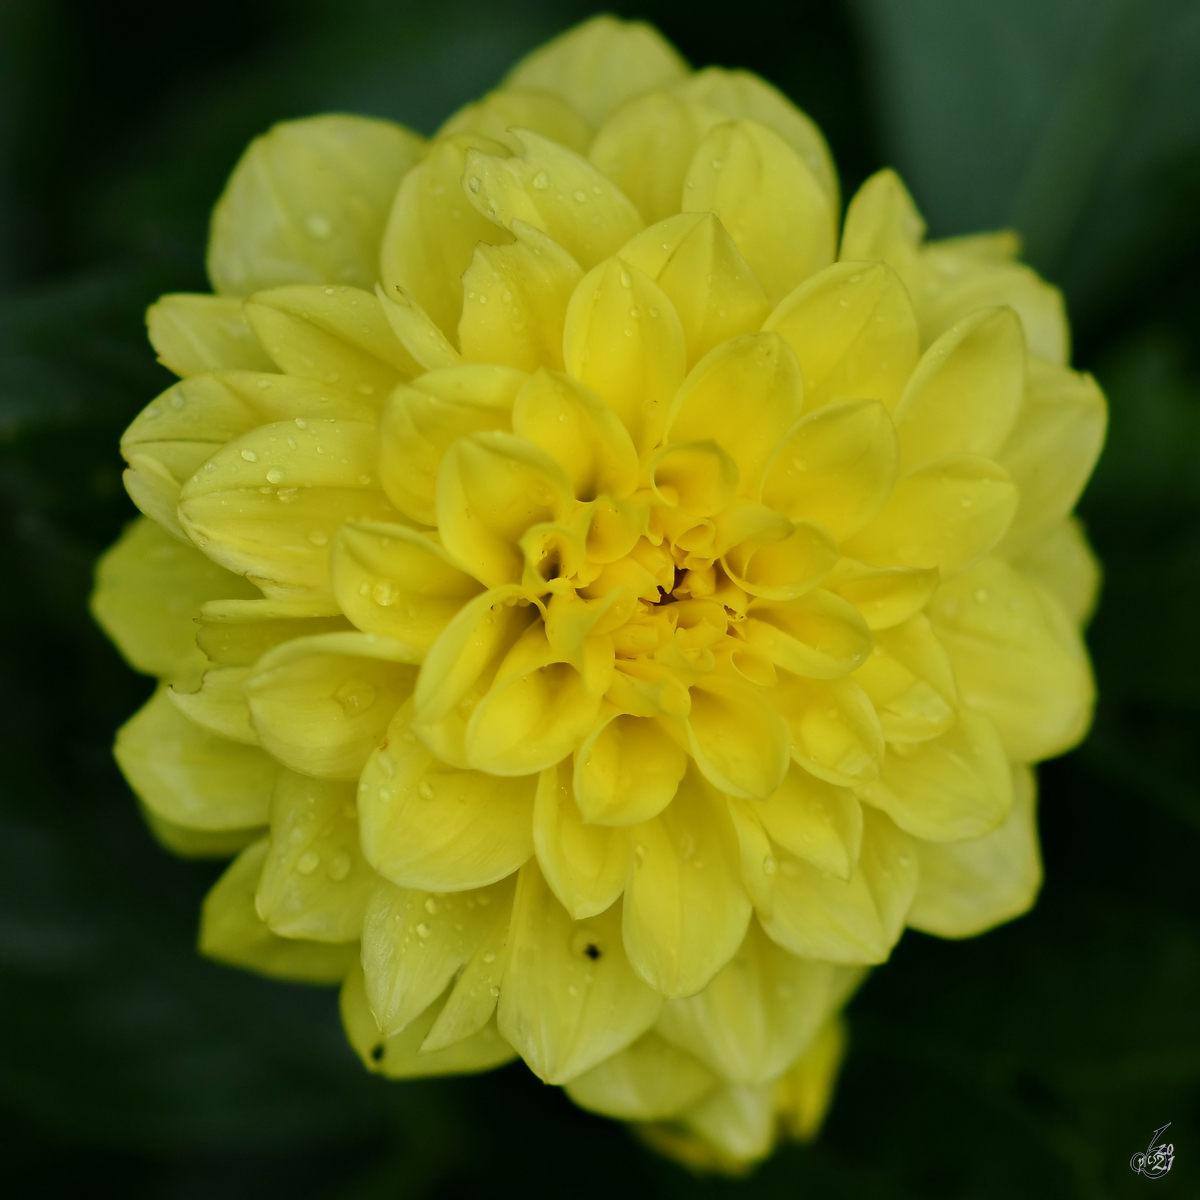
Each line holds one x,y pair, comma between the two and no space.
599,606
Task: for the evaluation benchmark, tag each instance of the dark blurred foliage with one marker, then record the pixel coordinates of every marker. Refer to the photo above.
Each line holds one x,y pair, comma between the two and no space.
1029,1063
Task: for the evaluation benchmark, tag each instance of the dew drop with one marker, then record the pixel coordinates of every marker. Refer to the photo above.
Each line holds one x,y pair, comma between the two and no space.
178,401
768,865
318,226
431,905
581,196
249,456
339,867
384,593
425,789
541,181
626,281
355,696
274,475
319,537
308,863
493,991
301,423
489,957
423,930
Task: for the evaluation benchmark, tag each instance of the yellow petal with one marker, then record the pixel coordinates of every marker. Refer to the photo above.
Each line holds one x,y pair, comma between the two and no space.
623,340
154,491
334,335
199,843
835,732
402,1056
460,666
420,422
885,596
626,771
238,633
414,942
585,865
648,1081
815,821
433,230
268,505
966,390
758,1013
193,333
231,931
698,478
782,568
744,395
1052,449
738,94
836,467
570,998
766,195
307,203
910,681
415,330
883,223
219,705
429,825
738,740
149,589
695,262
1017,657
737,1122
819,635
600,64
1063,563
515,301
396,582
192,777
956,281
314,882
491,488
967,887
557,192
685,912
580,432
812,913
854,331
535,712
542,111
956,786
945,514
321,704
804,1093
646,147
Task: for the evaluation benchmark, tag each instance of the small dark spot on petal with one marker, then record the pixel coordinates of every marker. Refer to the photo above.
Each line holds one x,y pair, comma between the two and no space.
377,1052
592,951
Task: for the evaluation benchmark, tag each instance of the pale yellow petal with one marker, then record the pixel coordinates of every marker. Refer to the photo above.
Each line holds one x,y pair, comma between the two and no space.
968,887
685,912
600,64
414,942
819,635
192,777
883,223
1064,564
585,865
307,203
738,1122
232,932
149,589
815,821
420,422
626,770
237,633
766,195
699,268
854,331
314,882
321,704
945,514
570,998
648,1081
219,704
515,301
154,492
429,825
199,843
835,732
415,330
394,581
781,567
964,395
1018,659
195,333
499,112
885,596
804,1093
739,742
623,340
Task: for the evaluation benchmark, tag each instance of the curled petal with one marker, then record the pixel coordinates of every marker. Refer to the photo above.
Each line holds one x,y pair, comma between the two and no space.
885,596
685,912
321,704
427,825
782,568
570,998
627,770
415,330
698,478
219,705
835,732
819,635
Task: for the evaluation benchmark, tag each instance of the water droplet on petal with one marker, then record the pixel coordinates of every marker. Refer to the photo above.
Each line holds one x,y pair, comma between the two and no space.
339,867
249,456
274,475
423,930
355,696
425,789
541,181
308,863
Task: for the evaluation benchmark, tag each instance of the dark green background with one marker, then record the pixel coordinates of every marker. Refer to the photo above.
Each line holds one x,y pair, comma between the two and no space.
1029,1063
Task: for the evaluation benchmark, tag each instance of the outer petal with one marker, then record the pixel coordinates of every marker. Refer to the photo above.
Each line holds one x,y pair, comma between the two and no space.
570,998
237,633
307,204
314,882
499,112
189,776
768,198
149,588
321,704
192,334
429,825
1063,563
685,910
231,931
219,705
1017,657
600,64
967,887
